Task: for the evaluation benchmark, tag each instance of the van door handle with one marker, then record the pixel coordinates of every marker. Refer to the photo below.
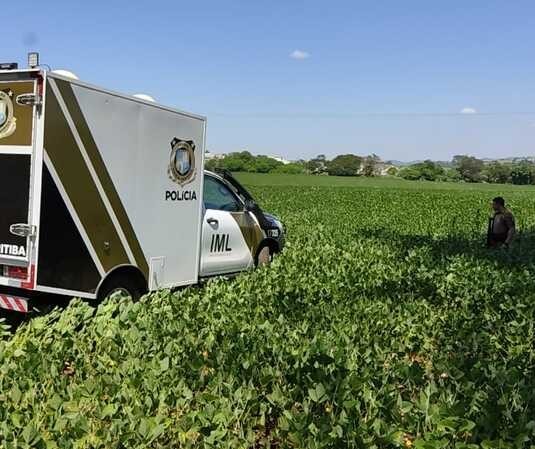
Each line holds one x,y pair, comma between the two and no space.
212,221
23,230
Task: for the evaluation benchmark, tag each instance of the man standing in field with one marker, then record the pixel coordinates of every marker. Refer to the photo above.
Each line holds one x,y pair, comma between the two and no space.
502,228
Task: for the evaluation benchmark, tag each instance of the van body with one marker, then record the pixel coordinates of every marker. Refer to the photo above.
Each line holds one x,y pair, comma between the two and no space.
101,192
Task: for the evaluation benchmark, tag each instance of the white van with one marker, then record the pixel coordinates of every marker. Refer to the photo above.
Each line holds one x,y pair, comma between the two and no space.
104,192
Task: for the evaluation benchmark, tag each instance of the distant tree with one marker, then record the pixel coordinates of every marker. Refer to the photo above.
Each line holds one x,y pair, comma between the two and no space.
344,165
409,173
497,172
313,166
370,165
236,162
392,171
427,170
264,164
523,173
211,164
452,175
244,161
294,168
317,165
468,167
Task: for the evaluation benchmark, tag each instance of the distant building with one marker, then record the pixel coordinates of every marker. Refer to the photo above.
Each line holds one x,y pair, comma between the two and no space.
382,168
216,156
281,159
213,156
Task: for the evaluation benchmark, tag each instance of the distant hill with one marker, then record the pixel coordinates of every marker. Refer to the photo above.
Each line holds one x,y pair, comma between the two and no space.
509,160
407,163
449,164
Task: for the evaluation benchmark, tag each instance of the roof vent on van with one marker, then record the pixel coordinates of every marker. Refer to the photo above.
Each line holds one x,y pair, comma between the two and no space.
66,74
145,97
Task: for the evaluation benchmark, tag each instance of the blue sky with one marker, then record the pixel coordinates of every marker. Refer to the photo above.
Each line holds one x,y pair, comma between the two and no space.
297,79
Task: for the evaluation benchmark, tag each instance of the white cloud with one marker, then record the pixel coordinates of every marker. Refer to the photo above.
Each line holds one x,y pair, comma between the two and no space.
468,111
299,54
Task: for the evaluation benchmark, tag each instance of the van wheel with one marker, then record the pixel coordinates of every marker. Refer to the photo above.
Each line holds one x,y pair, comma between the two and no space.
264,256
123,285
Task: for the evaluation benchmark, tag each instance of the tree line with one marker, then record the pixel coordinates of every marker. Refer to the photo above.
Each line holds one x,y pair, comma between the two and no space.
243,161
470,169
462,168
342,165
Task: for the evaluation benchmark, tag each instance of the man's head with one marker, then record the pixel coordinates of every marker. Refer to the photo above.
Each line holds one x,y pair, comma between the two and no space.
498,204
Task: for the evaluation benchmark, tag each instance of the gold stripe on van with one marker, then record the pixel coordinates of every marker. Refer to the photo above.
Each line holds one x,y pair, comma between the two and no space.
102,172
74,174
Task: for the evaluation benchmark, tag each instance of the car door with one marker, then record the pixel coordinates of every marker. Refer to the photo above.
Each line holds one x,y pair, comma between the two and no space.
18,162
224,248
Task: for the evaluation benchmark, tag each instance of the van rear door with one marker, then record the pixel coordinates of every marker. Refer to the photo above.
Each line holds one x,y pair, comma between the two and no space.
19,91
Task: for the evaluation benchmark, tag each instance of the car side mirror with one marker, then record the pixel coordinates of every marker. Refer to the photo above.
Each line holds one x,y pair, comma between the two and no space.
250,205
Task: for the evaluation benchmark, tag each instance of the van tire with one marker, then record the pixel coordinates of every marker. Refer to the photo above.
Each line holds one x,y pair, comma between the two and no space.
121,283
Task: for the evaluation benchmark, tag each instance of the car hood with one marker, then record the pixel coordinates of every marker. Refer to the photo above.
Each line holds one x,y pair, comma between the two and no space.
273,220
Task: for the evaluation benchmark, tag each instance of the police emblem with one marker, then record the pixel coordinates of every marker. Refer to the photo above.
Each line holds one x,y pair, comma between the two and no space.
8,123
182,161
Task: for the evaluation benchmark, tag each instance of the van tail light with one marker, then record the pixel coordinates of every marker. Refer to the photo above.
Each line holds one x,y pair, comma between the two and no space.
15,272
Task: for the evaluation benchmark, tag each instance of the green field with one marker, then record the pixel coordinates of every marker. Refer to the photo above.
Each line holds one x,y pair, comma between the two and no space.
260,179
384,323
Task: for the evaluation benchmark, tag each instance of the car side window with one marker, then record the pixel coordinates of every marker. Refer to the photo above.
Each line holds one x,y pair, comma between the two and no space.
219,197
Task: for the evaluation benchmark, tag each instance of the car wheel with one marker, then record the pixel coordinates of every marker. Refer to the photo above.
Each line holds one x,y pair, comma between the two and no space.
264,257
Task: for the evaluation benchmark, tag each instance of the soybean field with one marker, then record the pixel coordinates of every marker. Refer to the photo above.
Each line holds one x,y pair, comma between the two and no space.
384,323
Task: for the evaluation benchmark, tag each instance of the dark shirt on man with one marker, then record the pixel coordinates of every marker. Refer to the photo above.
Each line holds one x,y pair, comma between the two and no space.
503,224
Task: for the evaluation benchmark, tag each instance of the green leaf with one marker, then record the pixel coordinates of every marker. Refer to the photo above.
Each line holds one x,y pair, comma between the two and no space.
157,431
15,394
16,419
108,411
164,364
317,394
29,433
466,425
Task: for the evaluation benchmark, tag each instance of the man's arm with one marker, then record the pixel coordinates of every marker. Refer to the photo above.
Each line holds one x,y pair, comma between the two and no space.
511,228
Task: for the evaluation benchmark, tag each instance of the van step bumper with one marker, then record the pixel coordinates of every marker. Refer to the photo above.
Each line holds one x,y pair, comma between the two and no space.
14,303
